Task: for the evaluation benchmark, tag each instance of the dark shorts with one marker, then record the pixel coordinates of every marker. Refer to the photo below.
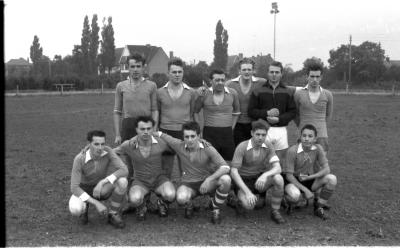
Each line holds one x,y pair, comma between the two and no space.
106,190
308,184
195,186
250,183
128,129
222,140
156,182
241,132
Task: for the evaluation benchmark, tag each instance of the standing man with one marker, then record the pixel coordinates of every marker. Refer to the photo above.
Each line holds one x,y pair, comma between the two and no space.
134,97
144,153
255,169
314,104
203,170
98,174
221,110
307,172
175,105
244,84
273,102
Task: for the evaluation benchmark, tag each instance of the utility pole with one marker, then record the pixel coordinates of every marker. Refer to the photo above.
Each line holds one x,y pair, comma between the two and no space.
350,61
274,11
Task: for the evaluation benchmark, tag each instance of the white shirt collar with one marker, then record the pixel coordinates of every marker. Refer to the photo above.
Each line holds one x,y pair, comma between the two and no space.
200,145
153,141
300,148
250,145
306,87
236,79
185,86
88,157
226,89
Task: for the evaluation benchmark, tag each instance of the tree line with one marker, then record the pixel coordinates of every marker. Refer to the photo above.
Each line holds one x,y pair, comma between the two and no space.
86,64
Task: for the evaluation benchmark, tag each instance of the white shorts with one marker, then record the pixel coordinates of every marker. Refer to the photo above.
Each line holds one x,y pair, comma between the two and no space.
277,136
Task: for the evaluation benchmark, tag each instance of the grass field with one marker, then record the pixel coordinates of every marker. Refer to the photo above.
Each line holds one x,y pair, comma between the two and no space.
44,133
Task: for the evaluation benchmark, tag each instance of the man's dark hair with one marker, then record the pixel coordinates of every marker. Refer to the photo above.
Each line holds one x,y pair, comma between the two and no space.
259,124
277,64
137,57
247,61
97,133
145,119
191,125
314,67
175,61
216,71
309,127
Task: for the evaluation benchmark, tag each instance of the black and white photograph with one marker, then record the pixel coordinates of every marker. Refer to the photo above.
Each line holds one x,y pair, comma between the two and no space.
201,123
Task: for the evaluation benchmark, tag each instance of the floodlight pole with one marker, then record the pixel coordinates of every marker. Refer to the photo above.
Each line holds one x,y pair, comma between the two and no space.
274,11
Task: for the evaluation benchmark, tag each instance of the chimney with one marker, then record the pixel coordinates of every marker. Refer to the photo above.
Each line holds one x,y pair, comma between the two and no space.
240,55
171,54
27,59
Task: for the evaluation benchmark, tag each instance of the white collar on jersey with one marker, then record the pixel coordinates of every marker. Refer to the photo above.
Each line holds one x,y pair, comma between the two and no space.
200,145
225,88
253,78
306,87
250,145
153,141
300,148
88,157
185,86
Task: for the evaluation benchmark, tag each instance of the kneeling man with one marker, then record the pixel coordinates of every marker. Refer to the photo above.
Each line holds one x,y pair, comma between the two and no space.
307,171
145,154
255,169
98,174
203,170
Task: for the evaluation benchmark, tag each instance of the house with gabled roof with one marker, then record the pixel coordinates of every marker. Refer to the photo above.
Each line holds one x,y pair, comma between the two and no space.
156,58
18,67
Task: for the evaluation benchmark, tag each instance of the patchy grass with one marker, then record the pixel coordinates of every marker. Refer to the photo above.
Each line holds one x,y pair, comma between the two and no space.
44,133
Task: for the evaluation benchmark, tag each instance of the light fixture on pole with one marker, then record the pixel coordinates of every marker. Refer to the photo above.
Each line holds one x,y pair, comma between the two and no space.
274,11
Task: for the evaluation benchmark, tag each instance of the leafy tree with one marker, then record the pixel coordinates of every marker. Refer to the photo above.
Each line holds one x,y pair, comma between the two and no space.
107,57
367,62
195,75
94,45
85,43
220,47
36,53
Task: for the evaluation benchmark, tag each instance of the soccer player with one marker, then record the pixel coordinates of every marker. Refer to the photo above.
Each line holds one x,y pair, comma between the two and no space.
244,85
256,169
144,153
307,172
273,102
221,110
175,105
134,97
98,174
315,104
203,170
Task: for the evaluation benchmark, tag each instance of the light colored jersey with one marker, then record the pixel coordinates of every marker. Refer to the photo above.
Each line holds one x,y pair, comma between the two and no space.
198,165
300,162
249,165
134,102
314,113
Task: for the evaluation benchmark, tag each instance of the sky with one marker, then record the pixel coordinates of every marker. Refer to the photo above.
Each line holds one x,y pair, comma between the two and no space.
304,28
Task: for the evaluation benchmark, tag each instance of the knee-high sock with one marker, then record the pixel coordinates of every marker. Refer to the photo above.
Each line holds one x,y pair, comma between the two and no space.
325,195
219,199
276,198
116,201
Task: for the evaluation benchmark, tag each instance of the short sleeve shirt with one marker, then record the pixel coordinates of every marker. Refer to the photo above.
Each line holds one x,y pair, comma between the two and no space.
134,101
248,163
300,162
